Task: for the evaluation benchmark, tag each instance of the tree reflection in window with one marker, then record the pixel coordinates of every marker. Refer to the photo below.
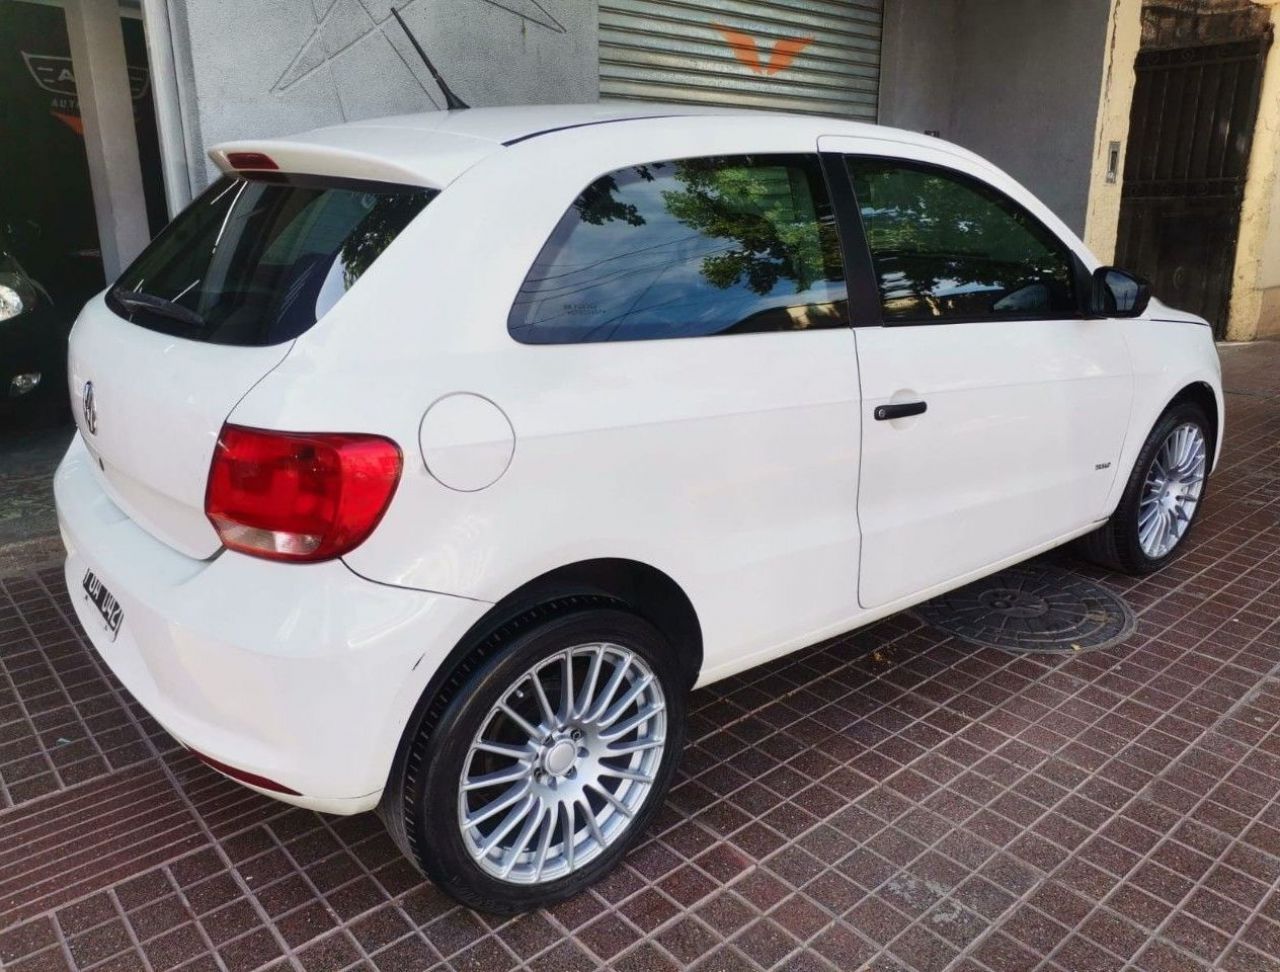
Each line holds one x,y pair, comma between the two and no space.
946,247
687,248
387,214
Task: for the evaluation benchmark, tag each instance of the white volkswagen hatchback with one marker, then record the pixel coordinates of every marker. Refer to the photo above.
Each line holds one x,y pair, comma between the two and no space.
427,463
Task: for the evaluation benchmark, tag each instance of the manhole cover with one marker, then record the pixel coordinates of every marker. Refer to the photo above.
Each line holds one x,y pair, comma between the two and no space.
1032,607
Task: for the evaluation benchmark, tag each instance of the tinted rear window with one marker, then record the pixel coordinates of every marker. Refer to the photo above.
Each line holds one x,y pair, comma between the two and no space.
257,262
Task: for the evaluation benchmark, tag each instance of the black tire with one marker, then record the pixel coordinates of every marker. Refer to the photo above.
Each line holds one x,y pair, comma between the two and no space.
420,805
1115,544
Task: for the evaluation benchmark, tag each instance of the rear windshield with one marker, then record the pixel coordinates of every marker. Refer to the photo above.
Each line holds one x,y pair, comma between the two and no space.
258,262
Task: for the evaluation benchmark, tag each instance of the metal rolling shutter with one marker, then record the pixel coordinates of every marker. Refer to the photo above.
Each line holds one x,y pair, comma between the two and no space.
675,50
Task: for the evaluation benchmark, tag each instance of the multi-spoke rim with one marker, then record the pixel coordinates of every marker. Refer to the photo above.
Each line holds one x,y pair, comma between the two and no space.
1175,483
562,763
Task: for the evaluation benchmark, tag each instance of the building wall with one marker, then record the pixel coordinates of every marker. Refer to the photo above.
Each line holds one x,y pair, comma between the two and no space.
1255,285
1269,271
1015,80
918,64
1124,38
246,68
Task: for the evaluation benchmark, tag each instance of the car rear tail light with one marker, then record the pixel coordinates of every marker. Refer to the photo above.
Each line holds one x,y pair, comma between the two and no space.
299,497
251,160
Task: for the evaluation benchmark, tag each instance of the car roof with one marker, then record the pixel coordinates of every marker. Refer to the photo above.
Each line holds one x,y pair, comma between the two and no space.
433,148
515,123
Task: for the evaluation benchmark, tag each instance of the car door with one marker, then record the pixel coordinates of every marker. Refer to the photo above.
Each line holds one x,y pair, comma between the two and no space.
994,410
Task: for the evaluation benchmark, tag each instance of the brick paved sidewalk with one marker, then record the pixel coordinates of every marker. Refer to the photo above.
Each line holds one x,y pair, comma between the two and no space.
28,523
894,799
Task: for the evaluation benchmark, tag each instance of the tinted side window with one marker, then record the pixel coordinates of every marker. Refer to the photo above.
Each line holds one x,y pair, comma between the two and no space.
686,248
947,247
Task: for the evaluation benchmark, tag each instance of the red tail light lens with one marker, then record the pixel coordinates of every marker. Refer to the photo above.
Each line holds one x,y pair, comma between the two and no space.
299,497
250,160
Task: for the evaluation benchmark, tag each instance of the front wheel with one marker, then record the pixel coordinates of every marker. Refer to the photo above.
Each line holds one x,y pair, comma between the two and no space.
547,764
1162,498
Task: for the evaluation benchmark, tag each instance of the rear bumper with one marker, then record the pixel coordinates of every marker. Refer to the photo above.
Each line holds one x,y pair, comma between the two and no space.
302,674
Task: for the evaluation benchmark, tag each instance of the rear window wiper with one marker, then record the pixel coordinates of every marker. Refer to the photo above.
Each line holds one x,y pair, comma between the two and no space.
137,300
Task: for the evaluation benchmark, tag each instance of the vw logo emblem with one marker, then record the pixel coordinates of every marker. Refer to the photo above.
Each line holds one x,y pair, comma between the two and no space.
90,409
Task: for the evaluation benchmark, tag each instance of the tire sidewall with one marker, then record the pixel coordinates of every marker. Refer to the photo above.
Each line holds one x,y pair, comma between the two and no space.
443,853
1179,414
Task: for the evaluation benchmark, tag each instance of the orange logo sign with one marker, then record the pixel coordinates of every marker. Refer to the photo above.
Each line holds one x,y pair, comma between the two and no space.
747,51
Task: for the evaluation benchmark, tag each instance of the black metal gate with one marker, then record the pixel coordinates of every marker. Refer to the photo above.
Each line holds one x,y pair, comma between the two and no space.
1190,132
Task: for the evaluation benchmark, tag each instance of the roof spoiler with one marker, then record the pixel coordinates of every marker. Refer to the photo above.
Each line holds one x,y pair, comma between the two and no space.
264,156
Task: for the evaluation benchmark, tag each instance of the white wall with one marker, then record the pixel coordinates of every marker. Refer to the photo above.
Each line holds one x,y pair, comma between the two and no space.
251,68
1017,81
919,65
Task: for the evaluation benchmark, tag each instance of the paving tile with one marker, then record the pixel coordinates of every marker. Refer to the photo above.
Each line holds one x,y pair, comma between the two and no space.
175,948
487,955
99,943
766,942
329,954
86,913
407,955
565,957
528,935
49,960
231,922
252,951
157,917
26,939
608,935
688,940
306,923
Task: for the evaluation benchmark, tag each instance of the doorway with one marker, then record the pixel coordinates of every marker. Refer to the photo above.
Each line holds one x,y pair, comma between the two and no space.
1191,127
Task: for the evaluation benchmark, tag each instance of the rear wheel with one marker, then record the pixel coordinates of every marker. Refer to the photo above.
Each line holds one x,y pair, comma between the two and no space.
547,764
1162,498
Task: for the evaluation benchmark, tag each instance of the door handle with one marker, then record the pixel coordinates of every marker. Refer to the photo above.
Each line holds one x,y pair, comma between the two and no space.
901,410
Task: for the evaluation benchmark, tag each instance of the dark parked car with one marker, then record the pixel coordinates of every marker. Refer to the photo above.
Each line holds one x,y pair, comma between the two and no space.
33,344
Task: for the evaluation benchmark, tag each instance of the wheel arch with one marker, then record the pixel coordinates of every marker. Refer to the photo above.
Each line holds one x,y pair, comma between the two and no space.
648,591
1200,393
644,589
1108,545
1195,387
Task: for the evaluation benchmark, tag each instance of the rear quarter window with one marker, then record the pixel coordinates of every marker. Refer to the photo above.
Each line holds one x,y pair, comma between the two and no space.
258,261
688,248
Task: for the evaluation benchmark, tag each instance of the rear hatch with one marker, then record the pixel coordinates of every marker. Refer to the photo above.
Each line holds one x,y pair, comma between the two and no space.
216,301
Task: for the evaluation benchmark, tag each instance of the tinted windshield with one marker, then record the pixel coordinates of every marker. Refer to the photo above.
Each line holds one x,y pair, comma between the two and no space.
256,262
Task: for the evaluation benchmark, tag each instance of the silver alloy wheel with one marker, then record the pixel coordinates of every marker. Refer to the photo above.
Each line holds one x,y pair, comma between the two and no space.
562,763
1172,491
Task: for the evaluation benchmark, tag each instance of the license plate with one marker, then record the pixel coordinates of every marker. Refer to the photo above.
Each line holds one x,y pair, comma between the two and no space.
108,607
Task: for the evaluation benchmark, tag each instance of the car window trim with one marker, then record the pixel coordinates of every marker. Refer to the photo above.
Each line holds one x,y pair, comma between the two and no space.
587,124
1080,273
320,181
863,305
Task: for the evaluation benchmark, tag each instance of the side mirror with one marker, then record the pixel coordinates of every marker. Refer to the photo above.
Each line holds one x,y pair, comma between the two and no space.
1118,293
